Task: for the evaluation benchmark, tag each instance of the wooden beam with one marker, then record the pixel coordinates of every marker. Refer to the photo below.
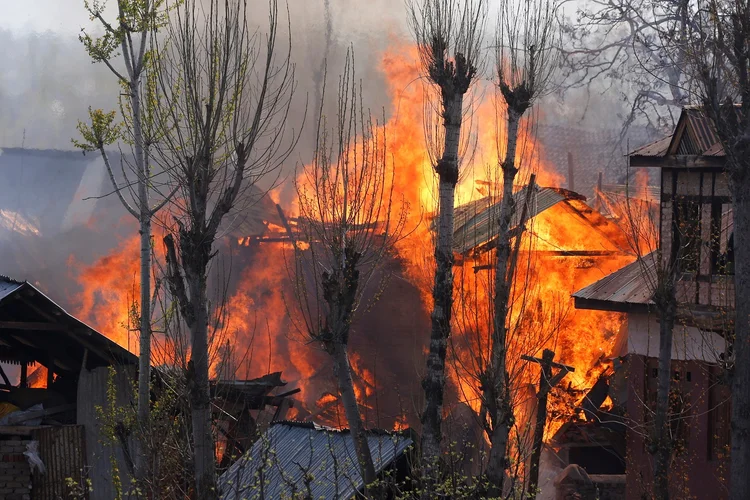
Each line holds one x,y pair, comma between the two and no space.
552,363
31,325
679,161
5,377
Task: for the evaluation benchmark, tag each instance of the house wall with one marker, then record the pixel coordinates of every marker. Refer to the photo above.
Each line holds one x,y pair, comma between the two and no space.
707,193
697,471
15,474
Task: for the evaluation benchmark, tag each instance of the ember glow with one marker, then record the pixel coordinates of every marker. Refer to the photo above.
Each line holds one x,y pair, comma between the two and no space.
565,248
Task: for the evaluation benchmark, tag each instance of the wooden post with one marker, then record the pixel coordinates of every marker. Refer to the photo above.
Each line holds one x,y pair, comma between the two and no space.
24,374
546,382
571,172
598,197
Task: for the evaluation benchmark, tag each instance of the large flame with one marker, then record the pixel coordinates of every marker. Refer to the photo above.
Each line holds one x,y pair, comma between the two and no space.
263,338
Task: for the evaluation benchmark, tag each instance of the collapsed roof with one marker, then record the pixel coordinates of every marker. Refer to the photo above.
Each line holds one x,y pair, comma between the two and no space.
288,452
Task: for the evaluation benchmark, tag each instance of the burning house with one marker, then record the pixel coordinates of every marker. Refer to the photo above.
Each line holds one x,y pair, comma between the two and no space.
695,213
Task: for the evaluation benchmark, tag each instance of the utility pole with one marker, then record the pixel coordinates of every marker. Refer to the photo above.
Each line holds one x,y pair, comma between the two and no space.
546,382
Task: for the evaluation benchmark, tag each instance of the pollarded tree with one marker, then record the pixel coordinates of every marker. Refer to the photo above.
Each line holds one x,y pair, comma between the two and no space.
350,221
526,35
126,48
225,97
449,38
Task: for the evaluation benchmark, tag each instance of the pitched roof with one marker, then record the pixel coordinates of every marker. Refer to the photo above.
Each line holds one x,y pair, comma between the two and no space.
45,188
475,223
35,329
289,452
627,287
657,148
695,134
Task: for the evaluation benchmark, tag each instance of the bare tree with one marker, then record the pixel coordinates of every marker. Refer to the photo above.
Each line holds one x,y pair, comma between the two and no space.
226,98
350,221
630,42
129,36
659,271
526,34
449,37
718,51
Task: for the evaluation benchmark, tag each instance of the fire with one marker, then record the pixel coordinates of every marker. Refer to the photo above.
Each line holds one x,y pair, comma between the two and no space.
262,338
110,292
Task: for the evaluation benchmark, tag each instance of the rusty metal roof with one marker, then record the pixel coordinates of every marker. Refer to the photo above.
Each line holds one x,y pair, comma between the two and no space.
475,223
695,134
657,148
280,460
630,285
701,129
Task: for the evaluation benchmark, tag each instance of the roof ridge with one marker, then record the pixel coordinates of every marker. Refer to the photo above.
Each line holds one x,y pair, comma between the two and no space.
318,427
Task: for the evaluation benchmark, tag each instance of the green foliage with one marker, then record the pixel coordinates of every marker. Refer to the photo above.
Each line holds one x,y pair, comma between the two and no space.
102,130
78,490
110,417
135,16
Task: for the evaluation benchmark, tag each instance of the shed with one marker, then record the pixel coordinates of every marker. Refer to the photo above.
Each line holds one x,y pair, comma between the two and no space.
75,359
290,454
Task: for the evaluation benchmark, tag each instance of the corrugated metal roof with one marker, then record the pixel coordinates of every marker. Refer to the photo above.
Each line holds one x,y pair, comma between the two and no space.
702,129
475,223
72,331
656,148
289,451
8,286
695,132
628,285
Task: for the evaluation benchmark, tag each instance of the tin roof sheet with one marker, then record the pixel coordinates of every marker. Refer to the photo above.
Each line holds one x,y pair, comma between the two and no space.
288,451
475,223
8,286
628,285
71,332
656,148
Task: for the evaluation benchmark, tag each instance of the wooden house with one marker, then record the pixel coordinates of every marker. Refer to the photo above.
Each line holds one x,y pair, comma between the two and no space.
695,231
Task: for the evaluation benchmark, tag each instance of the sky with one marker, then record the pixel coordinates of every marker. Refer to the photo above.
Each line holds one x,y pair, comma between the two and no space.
61,16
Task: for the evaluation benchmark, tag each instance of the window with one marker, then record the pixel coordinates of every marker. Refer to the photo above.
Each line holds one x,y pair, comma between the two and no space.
722,239
686,234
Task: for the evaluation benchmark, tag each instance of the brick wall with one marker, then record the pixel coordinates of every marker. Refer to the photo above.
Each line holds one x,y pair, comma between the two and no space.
15,474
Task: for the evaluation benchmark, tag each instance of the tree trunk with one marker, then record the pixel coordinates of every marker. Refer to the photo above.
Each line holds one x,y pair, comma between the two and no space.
205,467
442,293
144,355
541,421
342,369
497,392
662,442
740,427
